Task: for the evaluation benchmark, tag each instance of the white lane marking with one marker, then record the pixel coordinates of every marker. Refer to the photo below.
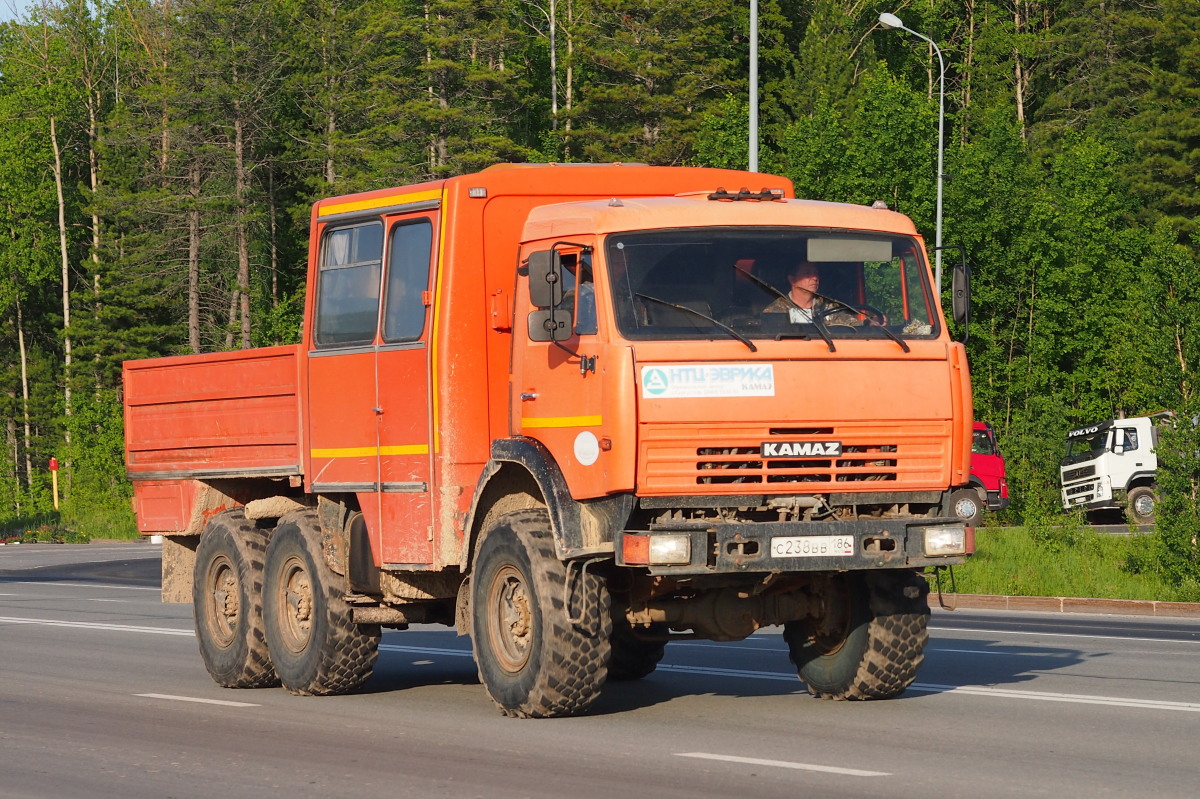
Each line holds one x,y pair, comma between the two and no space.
1065,635
727,646
425,650
197,699
88,625
755,761
985,652
96,599
91,585
739,673
765,648
974,690
1083,699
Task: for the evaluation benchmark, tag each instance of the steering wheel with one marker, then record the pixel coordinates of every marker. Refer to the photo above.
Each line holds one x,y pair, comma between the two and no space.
872,311
864,311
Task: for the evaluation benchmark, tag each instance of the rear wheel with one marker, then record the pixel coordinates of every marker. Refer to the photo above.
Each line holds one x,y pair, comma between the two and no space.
227,602
871,640
315,644
1142,501
540,631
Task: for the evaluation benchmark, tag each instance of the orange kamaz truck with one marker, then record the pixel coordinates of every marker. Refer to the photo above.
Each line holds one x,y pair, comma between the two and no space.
573,412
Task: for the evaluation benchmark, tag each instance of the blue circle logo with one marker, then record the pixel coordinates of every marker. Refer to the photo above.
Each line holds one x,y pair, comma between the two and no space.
655,381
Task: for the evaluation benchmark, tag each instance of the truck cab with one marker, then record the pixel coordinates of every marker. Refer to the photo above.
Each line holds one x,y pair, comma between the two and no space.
989,483
1111,466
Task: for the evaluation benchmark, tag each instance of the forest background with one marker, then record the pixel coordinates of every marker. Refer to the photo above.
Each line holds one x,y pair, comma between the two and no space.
158,159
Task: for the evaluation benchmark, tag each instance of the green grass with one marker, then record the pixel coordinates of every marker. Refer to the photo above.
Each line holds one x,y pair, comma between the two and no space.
69,526
1067,561
43,528
108,523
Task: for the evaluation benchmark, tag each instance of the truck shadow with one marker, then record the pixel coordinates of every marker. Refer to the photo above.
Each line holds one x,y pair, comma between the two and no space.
756,668
951,663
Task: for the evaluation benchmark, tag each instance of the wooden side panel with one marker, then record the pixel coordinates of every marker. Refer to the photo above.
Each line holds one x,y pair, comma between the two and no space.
216,414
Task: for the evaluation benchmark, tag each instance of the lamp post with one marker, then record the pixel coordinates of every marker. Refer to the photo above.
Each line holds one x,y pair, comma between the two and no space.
893,21
753,165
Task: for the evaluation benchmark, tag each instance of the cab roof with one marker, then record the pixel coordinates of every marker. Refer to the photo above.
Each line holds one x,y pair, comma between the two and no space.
620,214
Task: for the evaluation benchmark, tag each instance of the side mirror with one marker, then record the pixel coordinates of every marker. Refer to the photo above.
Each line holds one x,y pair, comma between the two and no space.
960,294
545,282
549,324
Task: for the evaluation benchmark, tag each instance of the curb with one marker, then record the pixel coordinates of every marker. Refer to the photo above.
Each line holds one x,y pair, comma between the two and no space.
1060,604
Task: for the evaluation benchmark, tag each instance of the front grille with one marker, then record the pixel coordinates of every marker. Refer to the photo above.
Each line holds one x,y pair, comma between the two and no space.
685,459
1079,474
1085,488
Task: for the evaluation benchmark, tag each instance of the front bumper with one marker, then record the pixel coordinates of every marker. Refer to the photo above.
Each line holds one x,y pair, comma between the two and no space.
997,502
1093,494
733,548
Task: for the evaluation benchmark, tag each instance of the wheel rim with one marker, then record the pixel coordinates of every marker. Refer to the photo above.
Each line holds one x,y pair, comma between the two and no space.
510,619
221,588
295,606
1144,505
965,508
831,633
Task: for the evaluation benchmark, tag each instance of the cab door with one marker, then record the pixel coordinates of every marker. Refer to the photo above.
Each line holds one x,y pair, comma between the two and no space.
403,393
368,379
342,424
558,387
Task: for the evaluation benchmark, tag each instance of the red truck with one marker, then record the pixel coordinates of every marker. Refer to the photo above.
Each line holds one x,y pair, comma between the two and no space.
545,405
989,485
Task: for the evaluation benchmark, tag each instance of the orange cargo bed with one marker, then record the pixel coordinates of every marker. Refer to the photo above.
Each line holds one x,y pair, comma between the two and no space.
221,414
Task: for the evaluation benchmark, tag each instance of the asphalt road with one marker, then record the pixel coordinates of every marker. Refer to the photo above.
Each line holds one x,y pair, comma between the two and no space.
102,693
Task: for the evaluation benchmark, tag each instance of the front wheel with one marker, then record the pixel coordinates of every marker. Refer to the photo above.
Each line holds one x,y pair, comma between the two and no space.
1142,501
966,505
540,631
635,652
870,641
315,644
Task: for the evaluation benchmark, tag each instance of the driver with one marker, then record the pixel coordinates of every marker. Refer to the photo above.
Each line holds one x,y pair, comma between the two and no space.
804,280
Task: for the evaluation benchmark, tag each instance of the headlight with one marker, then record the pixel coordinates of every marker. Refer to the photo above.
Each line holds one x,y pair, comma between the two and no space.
948,541
656,550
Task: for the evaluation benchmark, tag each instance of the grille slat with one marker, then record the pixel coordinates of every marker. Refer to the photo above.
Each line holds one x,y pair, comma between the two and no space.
677,458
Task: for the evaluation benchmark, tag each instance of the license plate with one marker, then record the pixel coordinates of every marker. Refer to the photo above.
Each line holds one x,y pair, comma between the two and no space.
812,546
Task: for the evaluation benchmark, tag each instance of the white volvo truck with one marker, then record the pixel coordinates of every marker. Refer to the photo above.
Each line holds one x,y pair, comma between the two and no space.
1111,465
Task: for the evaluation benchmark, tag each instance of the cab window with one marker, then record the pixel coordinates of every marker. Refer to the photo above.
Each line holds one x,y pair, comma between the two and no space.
409,250
579,292
348,285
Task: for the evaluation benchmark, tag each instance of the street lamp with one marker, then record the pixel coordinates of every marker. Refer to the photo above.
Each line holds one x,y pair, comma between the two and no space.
753,165
893,21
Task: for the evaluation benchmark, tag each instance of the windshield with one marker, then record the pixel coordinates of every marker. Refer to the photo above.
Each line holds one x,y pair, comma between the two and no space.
1086,448
982,444
769,283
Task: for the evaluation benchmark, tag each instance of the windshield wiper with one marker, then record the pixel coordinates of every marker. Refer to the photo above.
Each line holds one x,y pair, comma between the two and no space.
704,316
867,317
816,322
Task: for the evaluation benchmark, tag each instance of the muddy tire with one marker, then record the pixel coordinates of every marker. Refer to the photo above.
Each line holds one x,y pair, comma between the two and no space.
635,653
227,589
534,659
872,641
1142,502
317,648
